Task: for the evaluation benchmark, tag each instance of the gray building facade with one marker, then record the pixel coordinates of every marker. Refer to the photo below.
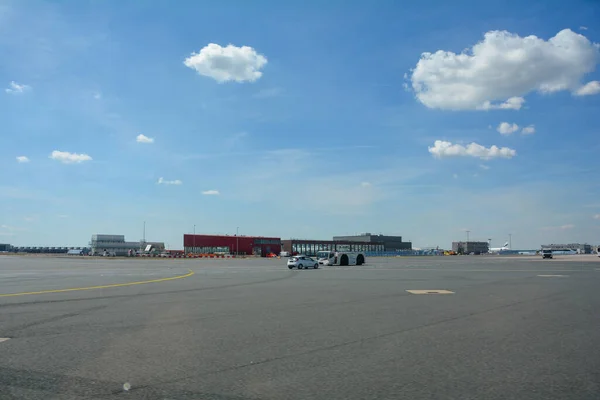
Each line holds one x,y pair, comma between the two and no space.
470,247
116,245
390,243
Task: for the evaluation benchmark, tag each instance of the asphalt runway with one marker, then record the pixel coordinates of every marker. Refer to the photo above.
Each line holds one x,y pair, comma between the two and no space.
511,328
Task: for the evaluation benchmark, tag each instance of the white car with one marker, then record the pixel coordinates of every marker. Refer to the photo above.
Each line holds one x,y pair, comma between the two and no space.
301,262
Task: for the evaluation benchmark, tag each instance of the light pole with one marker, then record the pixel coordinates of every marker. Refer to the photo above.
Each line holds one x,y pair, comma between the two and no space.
510,241
237,241
194,241
468,235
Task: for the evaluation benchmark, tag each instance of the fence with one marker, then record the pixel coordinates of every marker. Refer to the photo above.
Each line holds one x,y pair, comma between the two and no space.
401,253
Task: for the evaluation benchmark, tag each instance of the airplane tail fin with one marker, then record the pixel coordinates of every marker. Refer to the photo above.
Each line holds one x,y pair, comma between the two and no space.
506,244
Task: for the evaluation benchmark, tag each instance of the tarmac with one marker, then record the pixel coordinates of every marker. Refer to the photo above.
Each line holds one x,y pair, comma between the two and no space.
454,327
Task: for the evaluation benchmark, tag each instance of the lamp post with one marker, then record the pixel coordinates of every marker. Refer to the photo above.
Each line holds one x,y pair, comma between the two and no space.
237,241
194,241
510,241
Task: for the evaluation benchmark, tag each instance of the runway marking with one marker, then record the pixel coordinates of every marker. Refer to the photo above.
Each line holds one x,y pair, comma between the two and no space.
3,339
430,291
98,287
553,276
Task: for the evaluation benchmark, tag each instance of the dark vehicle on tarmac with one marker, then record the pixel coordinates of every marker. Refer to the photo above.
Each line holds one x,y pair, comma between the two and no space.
546,253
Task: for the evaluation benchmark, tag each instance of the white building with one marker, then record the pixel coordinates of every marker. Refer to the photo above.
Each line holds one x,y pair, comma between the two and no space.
116,245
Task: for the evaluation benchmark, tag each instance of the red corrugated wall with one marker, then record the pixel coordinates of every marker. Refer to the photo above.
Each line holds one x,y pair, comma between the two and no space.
246,243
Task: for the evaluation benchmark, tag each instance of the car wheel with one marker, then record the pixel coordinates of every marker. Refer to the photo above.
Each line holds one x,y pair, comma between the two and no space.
316,266
290,266
300,266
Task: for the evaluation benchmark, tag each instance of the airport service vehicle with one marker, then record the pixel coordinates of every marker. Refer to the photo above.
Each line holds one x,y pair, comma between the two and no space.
546,253
340,258
301,262
284,254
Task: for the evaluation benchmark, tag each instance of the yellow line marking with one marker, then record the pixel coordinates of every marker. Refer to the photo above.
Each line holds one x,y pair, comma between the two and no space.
99,287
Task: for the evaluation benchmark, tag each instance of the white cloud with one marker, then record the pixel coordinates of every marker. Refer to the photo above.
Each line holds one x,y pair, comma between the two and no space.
22,159
211,193
231,63
14,88
97,96
483,166
442,148
528,130
583,28
513,103
597,216
144,139
69,158
455,176
365,184
559,228
162,181
503,66
590,88
506,129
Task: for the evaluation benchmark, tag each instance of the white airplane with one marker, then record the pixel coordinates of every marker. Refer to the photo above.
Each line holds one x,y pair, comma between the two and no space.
499,249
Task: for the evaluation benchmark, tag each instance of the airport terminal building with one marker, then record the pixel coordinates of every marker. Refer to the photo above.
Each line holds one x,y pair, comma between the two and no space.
390,243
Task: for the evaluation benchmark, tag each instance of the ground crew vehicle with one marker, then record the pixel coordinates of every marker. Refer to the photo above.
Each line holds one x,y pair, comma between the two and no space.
546,253
340,258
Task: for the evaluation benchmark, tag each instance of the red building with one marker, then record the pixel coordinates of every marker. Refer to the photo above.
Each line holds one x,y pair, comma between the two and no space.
244,245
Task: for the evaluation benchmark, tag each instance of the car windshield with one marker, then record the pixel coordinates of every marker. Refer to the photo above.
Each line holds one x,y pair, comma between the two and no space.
322,254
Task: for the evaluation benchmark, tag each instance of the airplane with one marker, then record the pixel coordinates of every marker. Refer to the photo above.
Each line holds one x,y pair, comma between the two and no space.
498,249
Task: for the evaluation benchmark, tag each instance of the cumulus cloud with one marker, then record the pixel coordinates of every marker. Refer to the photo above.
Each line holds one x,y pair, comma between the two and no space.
15,88
503,67
162,181
69,158
22,159
528,130
442,149
513,103
211,193
506,128
231,63
144,139
590,88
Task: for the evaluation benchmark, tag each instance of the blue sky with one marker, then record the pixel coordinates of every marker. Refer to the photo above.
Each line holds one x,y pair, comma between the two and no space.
318,120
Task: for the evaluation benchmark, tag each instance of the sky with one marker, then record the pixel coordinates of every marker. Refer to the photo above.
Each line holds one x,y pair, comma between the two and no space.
300,120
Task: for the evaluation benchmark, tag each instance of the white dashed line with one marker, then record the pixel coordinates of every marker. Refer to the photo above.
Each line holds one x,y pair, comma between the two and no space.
3,339
553,276
430,291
